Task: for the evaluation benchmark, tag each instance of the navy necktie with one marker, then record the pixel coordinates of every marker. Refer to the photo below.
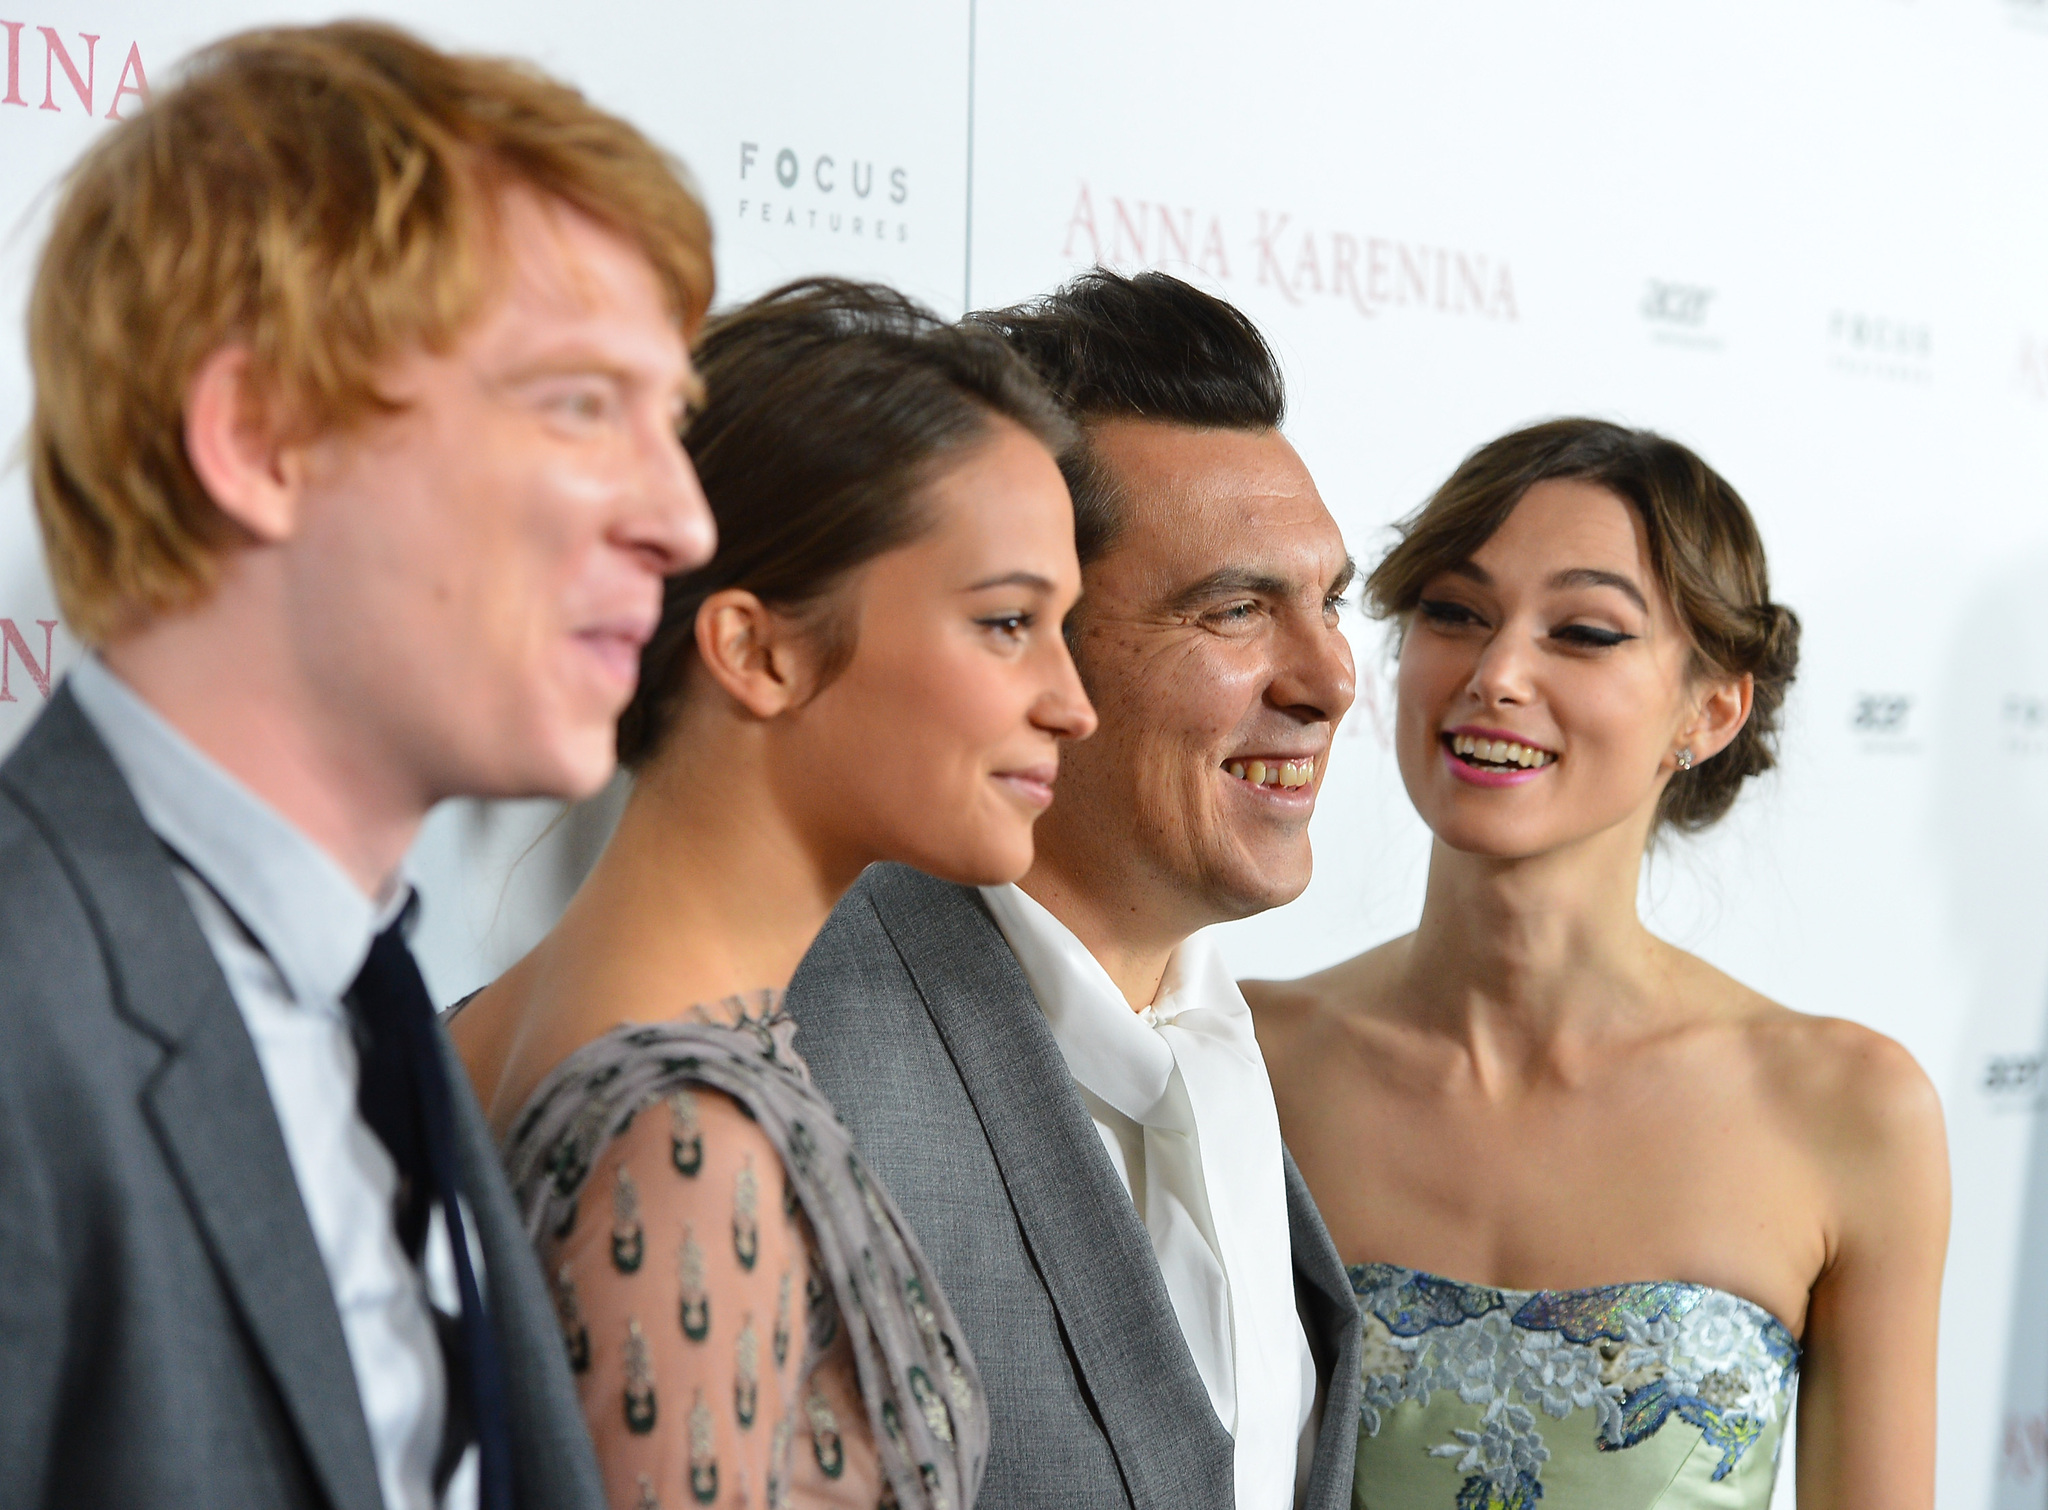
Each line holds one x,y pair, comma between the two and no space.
403,1094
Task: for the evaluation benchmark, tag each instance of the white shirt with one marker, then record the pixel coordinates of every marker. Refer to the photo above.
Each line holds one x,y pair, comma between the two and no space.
1181,1101
290,931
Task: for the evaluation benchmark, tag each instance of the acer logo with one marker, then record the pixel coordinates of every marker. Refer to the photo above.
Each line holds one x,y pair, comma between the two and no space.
1882,713
71,74
16,649
1676,303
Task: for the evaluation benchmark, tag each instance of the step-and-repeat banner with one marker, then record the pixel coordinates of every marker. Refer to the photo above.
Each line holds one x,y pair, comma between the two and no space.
1810,240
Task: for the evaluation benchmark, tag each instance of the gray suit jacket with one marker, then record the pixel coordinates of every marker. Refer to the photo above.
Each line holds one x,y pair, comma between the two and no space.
167,1334
919,1025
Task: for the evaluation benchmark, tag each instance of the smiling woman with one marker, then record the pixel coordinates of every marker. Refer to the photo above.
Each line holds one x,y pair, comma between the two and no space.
871,669
1603,1204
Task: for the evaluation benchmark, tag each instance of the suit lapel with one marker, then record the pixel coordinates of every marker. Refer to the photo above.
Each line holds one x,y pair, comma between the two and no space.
208,1103
1085,1236
1331,1313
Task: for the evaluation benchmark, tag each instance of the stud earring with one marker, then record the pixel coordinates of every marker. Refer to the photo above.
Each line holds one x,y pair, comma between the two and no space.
1685,758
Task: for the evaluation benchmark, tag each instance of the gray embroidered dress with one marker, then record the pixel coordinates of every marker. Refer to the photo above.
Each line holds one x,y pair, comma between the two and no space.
750,1319
1627,1397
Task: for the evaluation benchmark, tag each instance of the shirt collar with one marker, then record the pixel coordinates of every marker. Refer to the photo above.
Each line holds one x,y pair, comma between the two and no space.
1112,1051
299,906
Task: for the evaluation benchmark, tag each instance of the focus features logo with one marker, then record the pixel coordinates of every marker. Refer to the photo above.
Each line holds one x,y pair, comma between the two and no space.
2024,719
1883,722
1303,263
70,74
822,193
1679,314
1875,346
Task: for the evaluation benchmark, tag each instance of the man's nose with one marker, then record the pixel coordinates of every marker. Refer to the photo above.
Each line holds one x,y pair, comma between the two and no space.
668,518
1315,679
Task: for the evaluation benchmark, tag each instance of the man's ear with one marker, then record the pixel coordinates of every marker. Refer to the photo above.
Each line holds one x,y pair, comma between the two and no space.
231,440
1721,714
755,654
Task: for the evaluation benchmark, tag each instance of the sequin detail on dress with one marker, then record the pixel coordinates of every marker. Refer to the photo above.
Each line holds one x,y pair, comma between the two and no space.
1692,1381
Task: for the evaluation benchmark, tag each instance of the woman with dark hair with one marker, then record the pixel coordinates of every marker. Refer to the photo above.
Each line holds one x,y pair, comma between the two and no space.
871,669
1601,1203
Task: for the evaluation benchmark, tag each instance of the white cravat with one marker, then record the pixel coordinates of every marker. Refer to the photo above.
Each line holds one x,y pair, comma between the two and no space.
1180,1098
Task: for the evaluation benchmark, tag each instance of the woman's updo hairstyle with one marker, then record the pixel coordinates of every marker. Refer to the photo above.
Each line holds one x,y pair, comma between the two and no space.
1704,548
829,406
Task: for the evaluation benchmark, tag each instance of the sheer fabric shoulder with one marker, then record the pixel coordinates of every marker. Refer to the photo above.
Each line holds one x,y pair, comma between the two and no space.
708,1352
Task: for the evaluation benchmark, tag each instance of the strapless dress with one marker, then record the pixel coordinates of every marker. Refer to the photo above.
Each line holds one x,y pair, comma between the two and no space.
1663,1396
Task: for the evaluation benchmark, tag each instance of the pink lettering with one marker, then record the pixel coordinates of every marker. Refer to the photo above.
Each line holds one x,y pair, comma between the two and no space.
55,53
1468,283
1213,259
12,644
132,69
1414,274
1504,296
1182,236
1083,220
13,96
1344,269
1376,270
1308,267
1132,227
1270,270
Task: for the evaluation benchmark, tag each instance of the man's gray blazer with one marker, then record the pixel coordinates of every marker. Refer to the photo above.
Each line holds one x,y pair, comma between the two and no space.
167,1334
919,1025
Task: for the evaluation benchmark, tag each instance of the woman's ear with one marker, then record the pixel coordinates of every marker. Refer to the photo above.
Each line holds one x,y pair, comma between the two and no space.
1720,716
232,444
754,653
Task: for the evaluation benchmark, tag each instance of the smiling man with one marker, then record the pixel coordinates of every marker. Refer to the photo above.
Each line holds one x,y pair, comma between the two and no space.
1059,1080
358,372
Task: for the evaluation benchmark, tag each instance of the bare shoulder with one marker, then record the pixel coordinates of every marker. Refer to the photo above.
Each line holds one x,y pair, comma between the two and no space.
1857,1099
1294,1017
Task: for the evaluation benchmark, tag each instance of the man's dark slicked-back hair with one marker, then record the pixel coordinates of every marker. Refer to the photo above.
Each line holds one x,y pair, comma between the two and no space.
1143,346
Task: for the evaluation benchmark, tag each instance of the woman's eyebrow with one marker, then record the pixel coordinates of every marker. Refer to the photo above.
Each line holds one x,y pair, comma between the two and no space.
1592,576
1014,579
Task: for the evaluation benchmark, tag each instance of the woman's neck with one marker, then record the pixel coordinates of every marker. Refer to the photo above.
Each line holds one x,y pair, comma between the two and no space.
710,889
1524,960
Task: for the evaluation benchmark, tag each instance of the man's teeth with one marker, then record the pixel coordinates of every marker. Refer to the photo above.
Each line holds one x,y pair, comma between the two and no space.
1288,773
1499,752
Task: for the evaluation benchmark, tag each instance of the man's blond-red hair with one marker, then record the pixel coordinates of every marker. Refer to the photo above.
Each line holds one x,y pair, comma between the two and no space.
326,197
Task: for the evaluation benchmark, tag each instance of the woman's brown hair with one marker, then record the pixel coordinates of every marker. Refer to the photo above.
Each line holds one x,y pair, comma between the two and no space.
830,405
1704,549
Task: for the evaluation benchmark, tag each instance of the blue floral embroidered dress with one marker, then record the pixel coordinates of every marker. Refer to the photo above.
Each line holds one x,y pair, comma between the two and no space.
1661,1396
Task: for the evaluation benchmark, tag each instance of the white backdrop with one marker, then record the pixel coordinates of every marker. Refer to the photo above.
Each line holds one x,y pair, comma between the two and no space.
1809,237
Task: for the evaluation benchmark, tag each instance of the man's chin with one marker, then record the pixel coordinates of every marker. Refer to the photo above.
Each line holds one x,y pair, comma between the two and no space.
1245,891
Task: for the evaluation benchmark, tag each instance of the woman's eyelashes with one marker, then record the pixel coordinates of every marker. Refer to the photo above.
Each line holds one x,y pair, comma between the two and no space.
1590,636
1446,614
1012,627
